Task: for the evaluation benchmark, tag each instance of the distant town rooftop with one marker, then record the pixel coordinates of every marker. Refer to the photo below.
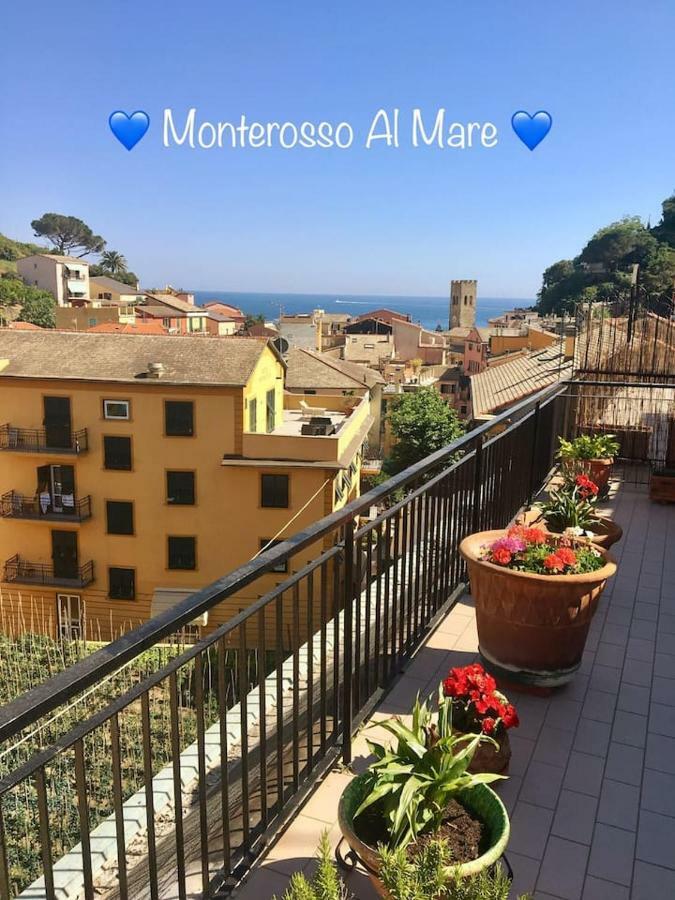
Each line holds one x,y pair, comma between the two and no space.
125,357
58,258
506,381
315,370
120,287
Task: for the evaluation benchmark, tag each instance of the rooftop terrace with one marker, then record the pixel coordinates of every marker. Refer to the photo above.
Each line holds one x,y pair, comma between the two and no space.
275,697
591,788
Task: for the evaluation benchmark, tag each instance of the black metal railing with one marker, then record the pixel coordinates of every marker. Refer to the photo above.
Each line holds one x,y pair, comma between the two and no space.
225,739
23,571
641,415
14,505
40,440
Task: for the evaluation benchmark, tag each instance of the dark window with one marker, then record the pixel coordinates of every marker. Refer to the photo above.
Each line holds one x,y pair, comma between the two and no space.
120,516
253,415
180,488
117,452
271,411
182,553
121,584
274,491
267,544
179,418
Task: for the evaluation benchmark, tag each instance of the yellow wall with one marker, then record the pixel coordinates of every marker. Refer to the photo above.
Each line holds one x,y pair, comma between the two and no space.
267,375
129,296
227,520
80,318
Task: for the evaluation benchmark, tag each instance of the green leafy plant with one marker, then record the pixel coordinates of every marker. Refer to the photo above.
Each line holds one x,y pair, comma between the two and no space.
427,874
589,446
411,783
573,505
325,884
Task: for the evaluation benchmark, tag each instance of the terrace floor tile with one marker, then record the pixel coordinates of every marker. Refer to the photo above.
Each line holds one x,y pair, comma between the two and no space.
591,790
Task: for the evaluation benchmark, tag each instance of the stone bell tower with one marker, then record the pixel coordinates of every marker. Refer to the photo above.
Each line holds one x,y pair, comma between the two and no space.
463,303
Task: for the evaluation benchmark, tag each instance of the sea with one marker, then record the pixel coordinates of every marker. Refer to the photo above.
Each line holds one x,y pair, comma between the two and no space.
427,311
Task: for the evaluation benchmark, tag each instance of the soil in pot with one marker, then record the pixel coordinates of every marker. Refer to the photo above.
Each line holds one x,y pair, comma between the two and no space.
467,837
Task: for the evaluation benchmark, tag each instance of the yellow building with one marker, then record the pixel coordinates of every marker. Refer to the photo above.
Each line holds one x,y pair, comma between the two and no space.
103,287
135,469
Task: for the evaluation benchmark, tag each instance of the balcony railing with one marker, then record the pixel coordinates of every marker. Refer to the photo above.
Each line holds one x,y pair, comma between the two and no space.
307,661
230,733
14,505
22,571
40,440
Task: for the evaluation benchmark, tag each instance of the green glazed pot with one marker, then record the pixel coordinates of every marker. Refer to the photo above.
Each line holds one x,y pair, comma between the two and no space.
480,800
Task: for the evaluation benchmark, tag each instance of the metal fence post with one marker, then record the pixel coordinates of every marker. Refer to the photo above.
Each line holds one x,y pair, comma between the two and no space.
477,479
348,636
534,474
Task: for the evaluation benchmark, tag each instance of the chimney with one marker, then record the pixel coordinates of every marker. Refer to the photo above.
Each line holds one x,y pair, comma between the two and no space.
155,369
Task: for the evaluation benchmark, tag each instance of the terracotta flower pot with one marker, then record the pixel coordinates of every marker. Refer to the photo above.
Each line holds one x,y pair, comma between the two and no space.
531,628
605,531
481,801
489,758
598,470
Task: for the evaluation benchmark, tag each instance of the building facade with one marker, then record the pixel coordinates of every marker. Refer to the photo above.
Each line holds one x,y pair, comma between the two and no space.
137,469
66,278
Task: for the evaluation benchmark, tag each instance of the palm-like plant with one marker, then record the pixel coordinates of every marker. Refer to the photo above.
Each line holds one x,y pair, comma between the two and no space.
113,262
413,781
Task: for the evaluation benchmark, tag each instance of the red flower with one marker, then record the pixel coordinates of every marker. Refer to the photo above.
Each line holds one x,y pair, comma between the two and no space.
488,725
531,535
554,563
567,556
585,486
535,535
501,556
510,717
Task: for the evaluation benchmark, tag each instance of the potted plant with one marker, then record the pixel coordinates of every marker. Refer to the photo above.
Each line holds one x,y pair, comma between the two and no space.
427,873
571,509
324,884
479,708
662,480
590,454
421,787
535,596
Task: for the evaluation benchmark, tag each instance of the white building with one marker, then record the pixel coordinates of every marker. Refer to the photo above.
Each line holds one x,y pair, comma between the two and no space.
65,277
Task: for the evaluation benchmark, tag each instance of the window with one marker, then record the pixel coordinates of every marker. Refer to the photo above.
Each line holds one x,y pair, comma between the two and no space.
70,614
180,488
120,516
271,410
116,409
182,553
462,409
253,415
121,583
267,544
117,453
274,491
179,418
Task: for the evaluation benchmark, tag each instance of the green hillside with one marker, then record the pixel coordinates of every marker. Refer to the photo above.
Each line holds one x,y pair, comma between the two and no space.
11,250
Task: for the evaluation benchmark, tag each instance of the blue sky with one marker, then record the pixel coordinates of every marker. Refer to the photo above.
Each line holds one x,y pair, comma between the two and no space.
381,221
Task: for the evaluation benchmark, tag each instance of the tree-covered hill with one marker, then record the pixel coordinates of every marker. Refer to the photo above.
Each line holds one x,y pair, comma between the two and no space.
602,271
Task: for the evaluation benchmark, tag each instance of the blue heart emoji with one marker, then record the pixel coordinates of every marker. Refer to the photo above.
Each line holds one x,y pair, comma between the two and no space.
129,129
531,129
